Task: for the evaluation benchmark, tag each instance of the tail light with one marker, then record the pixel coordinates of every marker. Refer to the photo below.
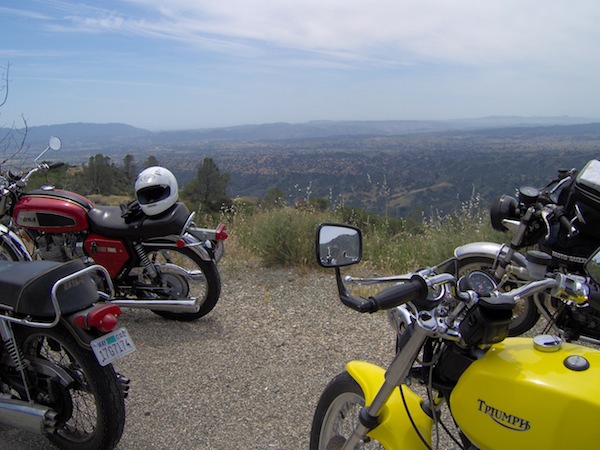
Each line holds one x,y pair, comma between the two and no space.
102,317
220,233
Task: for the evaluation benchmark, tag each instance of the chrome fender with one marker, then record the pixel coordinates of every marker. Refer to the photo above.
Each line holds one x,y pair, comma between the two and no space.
395,430
490,250
14,242
174,241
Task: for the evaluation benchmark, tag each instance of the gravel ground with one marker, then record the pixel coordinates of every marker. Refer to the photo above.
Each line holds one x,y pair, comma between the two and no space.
248,375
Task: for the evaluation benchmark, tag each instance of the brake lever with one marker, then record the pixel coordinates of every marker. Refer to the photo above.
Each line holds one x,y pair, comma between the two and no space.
573,230
579,214
545,215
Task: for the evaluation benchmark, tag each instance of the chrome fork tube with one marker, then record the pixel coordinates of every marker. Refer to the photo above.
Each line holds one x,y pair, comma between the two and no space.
515,243
394,376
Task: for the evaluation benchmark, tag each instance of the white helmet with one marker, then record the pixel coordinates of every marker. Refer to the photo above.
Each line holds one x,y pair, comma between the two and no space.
156,190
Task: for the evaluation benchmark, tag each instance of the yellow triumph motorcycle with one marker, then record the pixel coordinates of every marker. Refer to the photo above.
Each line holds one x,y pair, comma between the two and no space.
454,358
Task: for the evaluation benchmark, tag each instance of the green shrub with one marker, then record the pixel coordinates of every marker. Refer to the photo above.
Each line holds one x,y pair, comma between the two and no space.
429,244
285,236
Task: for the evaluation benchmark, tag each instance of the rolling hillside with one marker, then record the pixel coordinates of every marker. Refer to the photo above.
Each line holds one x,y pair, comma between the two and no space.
393,167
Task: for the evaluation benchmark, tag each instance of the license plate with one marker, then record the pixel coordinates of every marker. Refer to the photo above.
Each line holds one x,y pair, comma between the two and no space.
112,346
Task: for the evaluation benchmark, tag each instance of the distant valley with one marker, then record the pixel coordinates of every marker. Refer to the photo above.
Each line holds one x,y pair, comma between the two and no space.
393,167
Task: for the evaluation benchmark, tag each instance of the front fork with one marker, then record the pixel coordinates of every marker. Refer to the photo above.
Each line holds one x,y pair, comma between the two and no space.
396,420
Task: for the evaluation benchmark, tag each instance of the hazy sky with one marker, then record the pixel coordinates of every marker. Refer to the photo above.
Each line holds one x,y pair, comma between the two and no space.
197,63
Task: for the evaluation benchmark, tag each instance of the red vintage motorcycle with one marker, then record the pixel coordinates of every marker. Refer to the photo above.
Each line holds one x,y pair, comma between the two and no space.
157,260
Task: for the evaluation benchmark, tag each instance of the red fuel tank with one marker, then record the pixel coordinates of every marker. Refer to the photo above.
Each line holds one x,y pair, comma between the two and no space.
52,211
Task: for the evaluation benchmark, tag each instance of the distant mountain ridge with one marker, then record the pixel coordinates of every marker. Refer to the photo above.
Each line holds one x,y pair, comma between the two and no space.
122,133
86,131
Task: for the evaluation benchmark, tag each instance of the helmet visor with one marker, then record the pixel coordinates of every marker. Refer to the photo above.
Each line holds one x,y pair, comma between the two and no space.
152,194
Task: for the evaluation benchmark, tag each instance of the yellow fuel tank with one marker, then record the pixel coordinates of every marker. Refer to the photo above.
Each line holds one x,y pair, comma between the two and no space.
525,395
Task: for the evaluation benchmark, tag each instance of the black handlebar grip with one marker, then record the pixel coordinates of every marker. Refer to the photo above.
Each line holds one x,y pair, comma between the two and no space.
359,304
56,165
415,289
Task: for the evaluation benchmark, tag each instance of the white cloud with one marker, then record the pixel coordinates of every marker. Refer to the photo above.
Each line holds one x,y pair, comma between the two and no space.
17,12
471,33
463,31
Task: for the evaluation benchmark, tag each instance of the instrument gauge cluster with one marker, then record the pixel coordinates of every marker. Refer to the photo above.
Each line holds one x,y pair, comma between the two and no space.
480,282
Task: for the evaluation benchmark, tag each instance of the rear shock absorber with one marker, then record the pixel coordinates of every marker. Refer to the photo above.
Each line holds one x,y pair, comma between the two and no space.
15,352
144,261
10,343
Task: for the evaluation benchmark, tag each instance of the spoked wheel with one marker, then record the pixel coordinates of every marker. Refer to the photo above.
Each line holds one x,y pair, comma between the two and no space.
525,313
185,276
87,398
336,415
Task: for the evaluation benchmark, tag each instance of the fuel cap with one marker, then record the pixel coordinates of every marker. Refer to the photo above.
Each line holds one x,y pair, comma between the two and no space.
577,363
547,343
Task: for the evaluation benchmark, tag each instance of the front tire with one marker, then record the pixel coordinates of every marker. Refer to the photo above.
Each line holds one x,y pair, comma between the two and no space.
91,409
525,313
7,253
186,275
336,415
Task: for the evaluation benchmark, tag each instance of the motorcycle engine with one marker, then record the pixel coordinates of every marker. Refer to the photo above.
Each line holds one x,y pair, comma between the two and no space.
59,247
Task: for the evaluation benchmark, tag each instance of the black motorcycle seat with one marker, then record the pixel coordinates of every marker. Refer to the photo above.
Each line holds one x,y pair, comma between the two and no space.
25,287
108,221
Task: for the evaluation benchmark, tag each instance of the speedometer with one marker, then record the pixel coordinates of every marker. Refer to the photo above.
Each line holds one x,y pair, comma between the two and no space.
481,282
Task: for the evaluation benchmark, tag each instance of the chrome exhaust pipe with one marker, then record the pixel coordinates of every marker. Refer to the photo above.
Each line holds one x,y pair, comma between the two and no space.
189,305
27,416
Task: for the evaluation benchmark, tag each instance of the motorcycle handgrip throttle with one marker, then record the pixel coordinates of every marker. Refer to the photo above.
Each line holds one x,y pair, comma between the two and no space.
567,226
563,220
56,165
415,289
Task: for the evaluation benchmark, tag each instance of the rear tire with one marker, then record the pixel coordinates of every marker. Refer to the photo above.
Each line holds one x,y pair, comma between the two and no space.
202,280
91,410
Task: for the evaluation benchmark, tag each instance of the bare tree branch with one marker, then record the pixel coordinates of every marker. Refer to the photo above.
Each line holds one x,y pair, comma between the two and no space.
4,86
12,139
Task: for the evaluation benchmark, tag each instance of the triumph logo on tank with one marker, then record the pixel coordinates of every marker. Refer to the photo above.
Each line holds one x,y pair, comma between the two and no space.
503,418
28,218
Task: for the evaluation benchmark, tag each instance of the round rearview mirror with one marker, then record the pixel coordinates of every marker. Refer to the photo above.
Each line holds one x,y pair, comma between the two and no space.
54,143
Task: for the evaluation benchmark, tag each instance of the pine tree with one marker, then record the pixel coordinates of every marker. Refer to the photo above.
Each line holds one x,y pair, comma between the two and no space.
208,191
